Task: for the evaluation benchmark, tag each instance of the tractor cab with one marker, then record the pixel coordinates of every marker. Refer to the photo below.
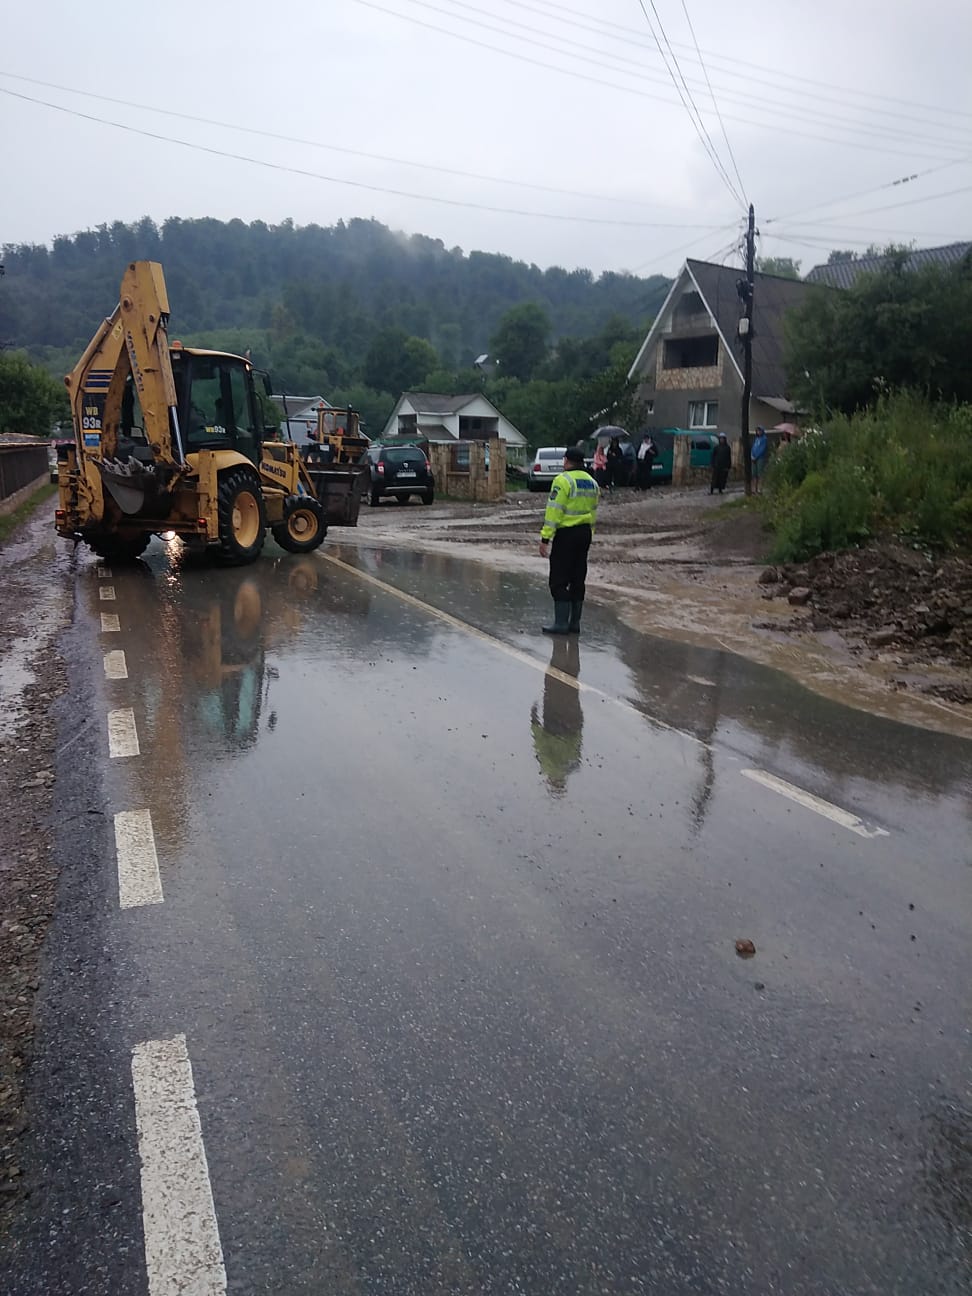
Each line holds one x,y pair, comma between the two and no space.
216,402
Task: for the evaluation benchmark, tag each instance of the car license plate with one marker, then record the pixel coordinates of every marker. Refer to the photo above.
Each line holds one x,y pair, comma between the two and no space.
406,474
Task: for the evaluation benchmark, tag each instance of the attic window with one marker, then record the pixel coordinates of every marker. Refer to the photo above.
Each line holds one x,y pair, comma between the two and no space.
689,304
692,353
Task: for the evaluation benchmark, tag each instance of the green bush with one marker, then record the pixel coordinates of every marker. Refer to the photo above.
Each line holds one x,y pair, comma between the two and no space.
904,466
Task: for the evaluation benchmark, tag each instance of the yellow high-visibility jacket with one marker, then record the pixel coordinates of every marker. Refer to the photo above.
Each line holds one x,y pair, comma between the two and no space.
573,502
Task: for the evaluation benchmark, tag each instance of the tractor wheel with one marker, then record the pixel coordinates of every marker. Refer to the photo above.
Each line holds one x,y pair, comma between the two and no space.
120,547
303,527
242,520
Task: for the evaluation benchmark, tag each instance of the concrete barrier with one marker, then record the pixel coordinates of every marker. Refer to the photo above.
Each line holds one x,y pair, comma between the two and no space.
22,468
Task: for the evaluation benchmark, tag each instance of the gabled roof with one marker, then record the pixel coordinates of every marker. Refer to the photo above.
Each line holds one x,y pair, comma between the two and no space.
298,405
842,274
434,403
773,296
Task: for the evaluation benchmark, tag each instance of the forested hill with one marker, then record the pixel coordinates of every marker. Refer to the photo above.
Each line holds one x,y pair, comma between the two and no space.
337,285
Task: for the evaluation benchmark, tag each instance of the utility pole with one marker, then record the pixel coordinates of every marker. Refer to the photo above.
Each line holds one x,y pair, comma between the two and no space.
745,290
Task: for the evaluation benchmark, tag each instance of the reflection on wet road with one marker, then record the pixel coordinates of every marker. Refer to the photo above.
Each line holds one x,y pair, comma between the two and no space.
449,927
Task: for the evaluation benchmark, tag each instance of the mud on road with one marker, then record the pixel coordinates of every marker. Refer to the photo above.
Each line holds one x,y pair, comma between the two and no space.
885,630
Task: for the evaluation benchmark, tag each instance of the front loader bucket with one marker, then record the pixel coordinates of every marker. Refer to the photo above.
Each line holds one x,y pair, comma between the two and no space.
339,487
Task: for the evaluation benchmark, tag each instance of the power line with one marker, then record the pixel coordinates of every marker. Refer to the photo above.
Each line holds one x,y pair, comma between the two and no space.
682,247
759,67
333,148
864,193
725,136
354,184
911,202
815,115
827,119
762,124
687,101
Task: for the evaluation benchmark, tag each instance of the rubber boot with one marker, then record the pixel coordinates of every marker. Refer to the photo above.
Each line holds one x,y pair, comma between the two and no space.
561,621
575,617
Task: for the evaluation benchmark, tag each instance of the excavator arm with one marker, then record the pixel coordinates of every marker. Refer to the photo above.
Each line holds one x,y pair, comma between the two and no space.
131,342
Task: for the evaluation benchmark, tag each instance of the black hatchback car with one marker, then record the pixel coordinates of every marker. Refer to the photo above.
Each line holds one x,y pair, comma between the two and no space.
400,471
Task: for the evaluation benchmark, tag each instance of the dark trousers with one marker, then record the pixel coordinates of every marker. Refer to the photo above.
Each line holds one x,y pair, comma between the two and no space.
568,563
644,472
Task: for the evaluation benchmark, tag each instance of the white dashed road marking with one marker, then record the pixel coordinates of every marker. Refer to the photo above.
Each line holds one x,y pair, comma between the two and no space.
811,802
122,734
183,1254
138,864
109,622
116,668
103,571
106,593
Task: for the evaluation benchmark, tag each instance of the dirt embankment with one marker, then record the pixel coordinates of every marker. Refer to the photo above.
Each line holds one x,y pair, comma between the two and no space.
886,628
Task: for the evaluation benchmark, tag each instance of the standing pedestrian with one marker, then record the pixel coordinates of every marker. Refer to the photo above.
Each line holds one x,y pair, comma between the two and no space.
568,528
758,454
647,454
600,466
721,463
615,463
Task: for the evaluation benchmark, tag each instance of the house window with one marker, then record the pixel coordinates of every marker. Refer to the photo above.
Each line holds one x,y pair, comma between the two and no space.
689,304
703,414
407,424
478,429
460,456
691,353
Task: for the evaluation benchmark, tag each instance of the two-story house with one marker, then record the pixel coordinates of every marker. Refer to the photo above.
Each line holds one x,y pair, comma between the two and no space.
689,369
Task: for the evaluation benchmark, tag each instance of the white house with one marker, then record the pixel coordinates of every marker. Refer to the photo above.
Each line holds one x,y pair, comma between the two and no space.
470,417
300,412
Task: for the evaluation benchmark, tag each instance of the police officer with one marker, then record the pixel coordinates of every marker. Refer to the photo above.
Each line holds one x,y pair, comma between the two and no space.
569,524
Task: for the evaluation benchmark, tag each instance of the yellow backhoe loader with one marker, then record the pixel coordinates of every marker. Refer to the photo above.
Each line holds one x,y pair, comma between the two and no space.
169,440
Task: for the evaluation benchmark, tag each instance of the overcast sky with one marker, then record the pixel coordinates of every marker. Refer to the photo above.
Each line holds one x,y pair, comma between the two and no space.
820,101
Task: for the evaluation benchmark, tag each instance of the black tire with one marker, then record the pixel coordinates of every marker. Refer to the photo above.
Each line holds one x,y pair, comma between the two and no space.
120,548
242,517
375,498
427,496
303,527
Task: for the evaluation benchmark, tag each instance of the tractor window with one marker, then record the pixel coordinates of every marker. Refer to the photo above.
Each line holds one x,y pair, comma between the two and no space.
219,407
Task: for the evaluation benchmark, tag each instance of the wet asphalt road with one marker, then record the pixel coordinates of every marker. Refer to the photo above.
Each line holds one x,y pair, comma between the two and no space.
452,945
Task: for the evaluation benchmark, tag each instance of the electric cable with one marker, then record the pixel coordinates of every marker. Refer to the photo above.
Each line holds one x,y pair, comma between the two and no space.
831,120
333,148
911,104
725,134
354,184
687,100
574,75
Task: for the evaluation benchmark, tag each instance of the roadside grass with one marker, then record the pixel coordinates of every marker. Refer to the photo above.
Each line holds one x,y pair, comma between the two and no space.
739,504
9,522
904,467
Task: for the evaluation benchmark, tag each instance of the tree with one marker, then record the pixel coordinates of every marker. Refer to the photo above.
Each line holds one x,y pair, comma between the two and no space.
521,339
784,267
396,362
31,401
892,329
